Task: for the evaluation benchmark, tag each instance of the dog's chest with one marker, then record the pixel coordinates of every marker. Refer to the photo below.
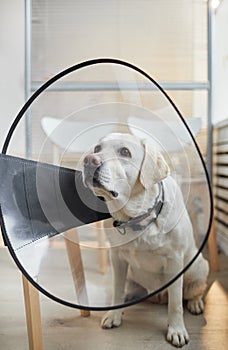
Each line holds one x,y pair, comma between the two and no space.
146,255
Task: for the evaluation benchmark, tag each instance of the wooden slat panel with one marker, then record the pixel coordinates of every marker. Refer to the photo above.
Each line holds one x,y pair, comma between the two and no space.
222,217
221,159
222,134
222,238
221,205
222,181
221,193
221,170
220,148
221,226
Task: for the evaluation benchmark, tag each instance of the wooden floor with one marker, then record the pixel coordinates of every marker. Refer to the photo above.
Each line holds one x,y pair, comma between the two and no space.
144,325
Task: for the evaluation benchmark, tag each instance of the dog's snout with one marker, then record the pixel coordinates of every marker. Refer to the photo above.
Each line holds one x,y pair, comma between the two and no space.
92,161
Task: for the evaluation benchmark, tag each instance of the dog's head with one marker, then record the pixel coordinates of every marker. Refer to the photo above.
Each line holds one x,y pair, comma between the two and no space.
121,166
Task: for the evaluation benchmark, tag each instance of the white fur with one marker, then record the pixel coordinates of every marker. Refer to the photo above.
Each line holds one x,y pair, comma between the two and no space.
165,246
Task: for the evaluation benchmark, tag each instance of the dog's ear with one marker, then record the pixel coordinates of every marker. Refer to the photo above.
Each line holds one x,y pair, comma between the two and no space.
154,167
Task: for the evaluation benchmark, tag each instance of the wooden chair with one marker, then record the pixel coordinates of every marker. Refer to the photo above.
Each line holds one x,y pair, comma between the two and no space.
32,300
32,195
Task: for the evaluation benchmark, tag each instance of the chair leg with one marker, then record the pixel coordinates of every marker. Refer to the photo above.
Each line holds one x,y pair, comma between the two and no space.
75,260
212,246
33,315
103,258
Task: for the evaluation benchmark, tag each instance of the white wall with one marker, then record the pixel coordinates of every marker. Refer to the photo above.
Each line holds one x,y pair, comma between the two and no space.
11,69
220,63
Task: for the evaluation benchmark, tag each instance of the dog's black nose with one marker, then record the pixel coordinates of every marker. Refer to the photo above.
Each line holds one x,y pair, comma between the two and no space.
92,161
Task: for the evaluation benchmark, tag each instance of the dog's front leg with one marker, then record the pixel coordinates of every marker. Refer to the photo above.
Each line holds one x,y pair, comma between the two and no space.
113,318
177,333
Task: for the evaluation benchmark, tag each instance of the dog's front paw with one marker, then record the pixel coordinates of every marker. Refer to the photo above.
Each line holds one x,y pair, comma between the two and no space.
111,319
177,336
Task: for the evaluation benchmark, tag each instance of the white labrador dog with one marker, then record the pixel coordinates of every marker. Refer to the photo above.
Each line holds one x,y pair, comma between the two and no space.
143,198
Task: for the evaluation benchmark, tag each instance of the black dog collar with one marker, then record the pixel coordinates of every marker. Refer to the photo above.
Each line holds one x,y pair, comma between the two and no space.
138,223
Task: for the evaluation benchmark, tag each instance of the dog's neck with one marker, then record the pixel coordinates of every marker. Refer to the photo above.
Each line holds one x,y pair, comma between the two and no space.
140,210
142,221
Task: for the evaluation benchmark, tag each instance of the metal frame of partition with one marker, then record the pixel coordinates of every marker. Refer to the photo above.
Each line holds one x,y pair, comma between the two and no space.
74,86
209,91
111,86
28,73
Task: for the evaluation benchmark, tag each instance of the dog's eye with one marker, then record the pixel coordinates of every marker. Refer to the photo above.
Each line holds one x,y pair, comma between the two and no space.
125,152
97,149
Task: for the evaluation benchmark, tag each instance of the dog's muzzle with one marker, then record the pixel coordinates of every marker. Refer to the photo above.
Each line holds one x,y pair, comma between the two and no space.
93,174
92,164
